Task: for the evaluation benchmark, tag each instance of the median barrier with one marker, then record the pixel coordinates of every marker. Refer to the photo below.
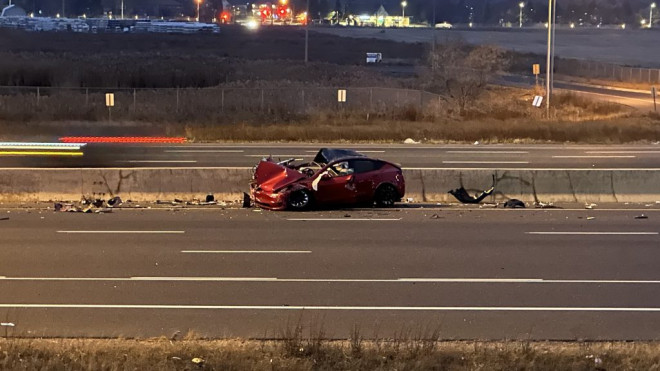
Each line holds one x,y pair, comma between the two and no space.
422,185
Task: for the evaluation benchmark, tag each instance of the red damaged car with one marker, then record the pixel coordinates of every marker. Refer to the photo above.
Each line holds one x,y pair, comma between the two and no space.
334,177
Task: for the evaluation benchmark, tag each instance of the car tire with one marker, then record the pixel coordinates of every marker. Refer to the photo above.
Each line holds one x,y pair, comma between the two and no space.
300,200
386,195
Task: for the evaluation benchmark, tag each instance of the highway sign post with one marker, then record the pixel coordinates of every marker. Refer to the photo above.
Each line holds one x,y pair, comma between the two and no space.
653,93
536,70
341,96
109,102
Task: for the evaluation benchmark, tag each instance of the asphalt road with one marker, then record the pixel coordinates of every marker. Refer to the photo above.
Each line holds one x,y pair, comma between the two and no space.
468,273
409,156
633,98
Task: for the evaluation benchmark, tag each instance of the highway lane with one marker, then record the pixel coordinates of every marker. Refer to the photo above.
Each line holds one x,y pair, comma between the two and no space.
541,274
409,156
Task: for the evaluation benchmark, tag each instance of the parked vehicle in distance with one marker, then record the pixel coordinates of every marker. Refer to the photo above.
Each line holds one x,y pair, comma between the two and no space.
335,177
446,25
374,58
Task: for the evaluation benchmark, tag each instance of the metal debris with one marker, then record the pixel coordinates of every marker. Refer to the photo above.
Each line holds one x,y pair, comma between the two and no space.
590,206
642,216
514,203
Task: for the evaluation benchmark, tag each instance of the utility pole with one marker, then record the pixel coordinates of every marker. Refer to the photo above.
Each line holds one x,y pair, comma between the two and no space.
307,34
122,9
548,67
63,16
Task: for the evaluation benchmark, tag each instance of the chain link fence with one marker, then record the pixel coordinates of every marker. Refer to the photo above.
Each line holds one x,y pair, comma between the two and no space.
608,71
145,104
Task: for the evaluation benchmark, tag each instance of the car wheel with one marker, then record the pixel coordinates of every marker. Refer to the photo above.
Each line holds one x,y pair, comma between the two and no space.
300,199
386,195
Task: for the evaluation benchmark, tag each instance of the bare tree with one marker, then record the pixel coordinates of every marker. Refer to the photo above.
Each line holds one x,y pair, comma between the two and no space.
462,71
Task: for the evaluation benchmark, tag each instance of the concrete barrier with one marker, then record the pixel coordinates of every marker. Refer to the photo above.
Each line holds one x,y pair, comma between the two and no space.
423,185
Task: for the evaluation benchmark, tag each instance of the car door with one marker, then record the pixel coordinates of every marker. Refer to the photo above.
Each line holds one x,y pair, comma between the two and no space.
365,172
336,187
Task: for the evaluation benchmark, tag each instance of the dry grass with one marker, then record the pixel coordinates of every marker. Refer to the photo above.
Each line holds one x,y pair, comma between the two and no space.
319,354
501,115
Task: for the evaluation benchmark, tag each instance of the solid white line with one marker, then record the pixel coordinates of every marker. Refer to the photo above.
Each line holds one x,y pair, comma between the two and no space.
329,308
277,155
160,161
122,232
206,151
623,152
596,233
246,251
340,219
357,150
614,156
337,280
485,162
490,152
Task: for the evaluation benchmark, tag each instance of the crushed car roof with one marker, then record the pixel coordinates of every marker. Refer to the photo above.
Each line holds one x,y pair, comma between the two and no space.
327,155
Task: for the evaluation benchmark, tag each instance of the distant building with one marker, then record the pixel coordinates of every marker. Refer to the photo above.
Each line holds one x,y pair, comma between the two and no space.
381,18
13,11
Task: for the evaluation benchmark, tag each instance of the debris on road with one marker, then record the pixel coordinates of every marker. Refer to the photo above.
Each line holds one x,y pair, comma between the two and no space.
591,217
410,141
463,196
436,216
210,198
642,216
590,206
115,201
4,218
545,205
514,203
247,202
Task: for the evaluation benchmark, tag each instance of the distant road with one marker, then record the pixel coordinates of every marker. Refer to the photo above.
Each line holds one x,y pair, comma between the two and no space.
613,45
465,273
409,156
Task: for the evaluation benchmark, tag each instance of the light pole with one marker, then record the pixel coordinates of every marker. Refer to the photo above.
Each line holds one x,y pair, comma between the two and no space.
307,33
122,9
199,2
521,5
651,15
403,11
549,61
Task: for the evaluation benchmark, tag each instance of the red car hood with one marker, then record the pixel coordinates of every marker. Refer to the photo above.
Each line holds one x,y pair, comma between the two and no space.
271,176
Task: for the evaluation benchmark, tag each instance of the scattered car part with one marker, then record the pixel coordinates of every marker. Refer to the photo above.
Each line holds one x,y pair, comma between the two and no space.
463,196
514,204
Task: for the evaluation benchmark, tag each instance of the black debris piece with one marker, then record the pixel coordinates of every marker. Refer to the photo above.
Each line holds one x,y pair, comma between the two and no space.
246,200
514,204
463,196
98,202
58,206
115,201
4,218
210,198
641,217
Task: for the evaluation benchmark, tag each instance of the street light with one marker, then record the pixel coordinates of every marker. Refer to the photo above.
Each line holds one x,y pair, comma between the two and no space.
199,2
404,4
521,5
651,15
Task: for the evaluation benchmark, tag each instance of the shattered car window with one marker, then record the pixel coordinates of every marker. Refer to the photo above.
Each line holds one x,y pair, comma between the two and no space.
327,155
365,166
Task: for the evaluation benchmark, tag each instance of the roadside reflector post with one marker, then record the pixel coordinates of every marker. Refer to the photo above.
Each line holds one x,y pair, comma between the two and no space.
538,100
134,101
341,97
536,70
109,102
38,95
653,93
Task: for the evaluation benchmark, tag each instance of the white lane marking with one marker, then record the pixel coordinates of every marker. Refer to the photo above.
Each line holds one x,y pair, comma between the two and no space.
342,219
7,324
591,156
490,152
246,251
122,232
622,152
596,233
357,150
330,308
160,161
337,280
205,151
41,145
277,155
524,169
485,162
